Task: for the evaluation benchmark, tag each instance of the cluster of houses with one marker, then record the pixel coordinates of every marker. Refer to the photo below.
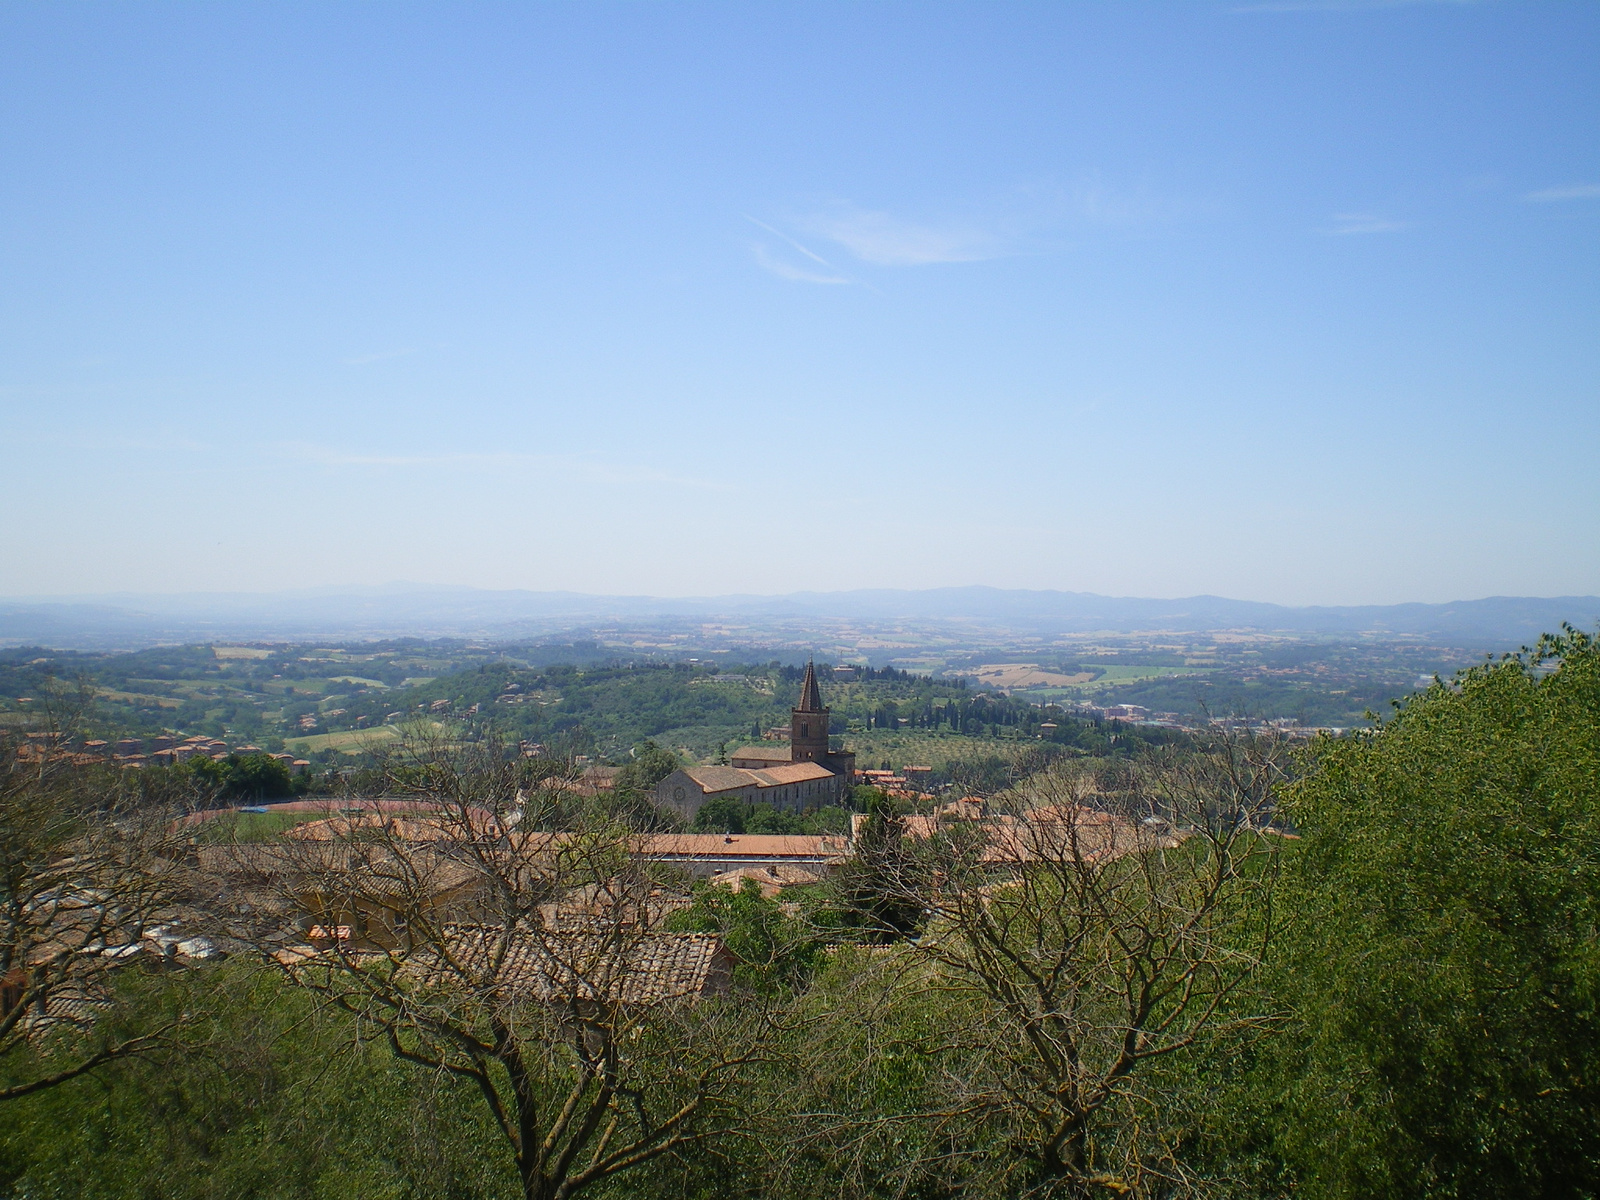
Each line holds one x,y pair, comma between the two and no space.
163,750
363,879
908,783
416,886
417,882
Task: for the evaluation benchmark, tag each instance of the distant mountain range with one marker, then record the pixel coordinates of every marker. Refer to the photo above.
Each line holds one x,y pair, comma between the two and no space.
125,620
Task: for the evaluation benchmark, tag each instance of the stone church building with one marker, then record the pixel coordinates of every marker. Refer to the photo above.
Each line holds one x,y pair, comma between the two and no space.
802,775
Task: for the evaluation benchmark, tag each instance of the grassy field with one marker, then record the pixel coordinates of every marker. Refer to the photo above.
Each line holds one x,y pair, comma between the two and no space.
1135,674
696,743
138,698
355,741
347,741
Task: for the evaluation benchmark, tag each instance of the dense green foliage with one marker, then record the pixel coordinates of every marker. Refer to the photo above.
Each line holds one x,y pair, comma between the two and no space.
728,814
259,1094
245,777
1446,977
874,902
774,948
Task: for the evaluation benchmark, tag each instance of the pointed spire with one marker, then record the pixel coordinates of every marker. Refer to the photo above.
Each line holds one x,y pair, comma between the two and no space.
810,694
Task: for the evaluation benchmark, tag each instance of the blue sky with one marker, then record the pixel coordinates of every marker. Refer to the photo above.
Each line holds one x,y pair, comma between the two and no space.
1286,301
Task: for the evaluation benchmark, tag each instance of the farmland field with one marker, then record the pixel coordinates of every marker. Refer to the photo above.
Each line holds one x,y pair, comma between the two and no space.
240,652
138,698
348,741
1027,675
1114,675
1110,678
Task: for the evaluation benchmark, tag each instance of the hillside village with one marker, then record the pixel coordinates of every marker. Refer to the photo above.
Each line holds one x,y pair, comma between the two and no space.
472,907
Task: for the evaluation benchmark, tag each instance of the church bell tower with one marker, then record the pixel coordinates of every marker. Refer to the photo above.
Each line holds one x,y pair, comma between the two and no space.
808,722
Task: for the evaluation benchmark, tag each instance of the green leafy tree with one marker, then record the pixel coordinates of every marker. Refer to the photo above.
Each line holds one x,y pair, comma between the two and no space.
774,949
765,818
1446,981
208,775
722,814
876,890
649,765
258,777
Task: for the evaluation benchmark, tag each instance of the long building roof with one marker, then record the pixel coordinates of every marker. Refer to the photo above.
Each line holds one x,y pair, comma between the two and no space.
772,847
729,779
771,752
800,772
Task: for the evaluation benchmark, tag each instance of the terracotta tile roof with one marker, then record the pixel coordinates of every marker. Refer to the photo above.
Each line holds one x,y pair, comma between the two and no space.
777,846
595,779
274,875
771,752
544,965
1070,814
721,779
401,828
792,773
728,779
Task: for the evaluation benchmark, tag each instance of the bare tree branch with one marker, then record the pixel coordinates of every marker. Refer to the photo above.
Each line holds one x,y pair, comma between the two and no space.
490,935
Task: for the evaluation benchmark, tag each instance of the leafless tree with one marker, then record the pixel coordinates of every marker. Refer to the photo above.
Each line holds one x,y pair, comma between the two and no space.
86,872
1079,946
477,940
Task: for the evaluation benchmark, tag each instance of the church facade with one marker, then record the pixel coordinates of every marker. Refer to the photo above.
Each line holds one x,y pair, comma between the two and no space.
804,774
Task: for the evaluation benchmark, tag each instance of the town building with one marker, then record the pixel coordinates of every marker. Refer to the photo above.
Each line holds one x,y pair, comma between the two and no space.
714,854
807,773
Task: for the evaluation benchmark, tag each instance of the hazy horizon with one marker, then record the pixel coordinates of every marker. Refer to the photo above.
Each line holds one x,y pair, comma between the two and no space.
859,617
406,586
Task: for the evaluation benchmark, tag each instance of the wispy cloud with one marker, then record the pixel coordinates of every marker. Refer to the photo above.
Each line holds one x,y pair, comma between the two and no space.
1347,223
785,268
889,241
549,465
1037,217
361,360
1577,191
778,233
